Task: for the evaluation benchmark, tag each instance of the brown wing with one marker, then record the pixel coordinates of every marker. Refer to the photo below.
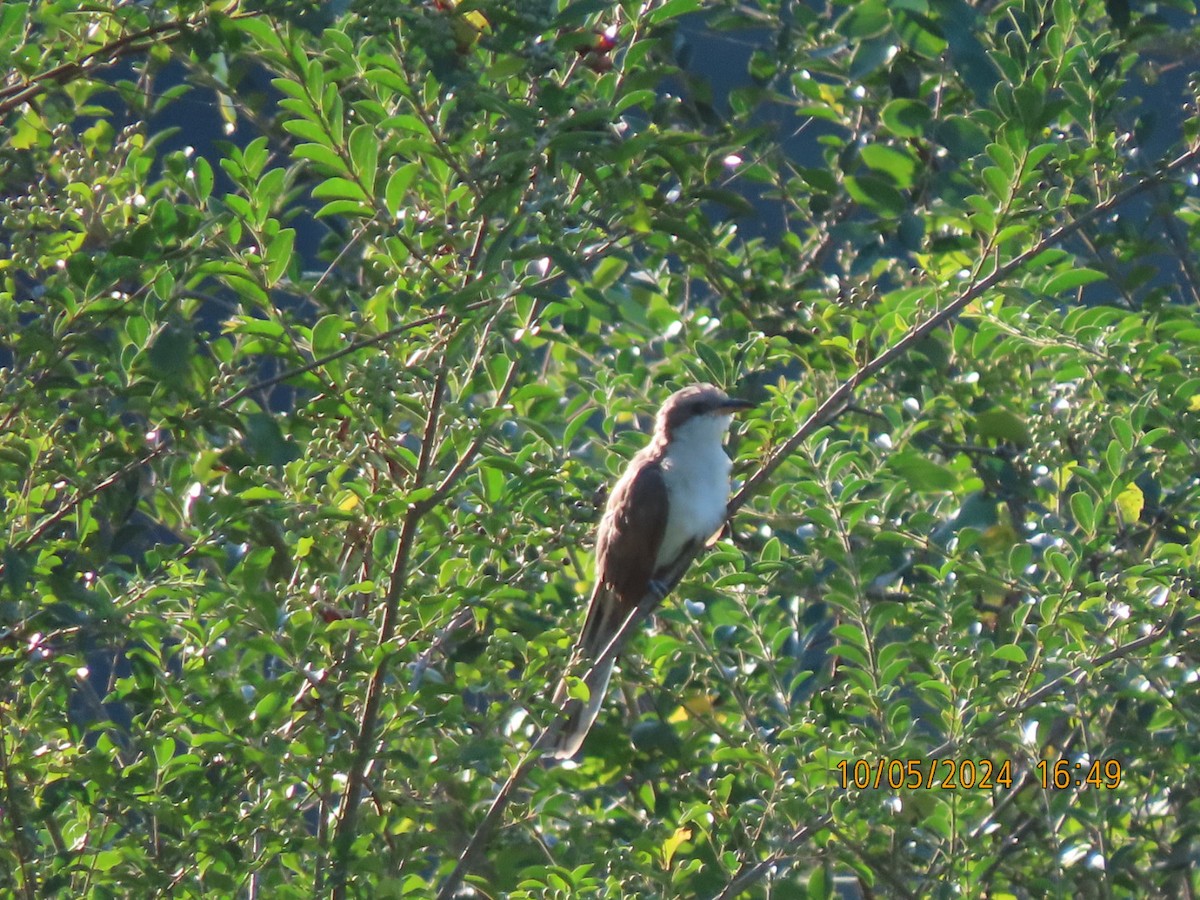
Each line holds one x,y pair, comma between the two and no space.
631,533
626,548
627,544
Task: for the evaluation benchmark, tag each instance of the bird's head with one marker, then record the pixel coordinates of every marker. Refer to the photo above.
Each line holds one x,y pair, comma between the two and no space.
700,407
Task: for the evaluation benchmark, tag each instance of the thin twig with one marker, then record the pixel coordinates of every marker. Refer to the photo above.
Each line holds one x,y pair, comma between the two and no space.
364,742
351,347
845,392
752,873
14,814
15,95
492,817
1077,677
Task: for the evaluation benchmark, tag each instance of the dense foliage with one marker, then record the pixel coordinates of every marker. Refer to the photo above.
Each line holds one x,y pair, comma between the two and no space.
304,433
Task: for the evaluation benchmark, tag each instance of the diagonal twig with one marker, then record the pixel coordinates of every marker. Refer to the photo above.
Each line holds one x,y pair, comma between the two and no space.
14,95
492,817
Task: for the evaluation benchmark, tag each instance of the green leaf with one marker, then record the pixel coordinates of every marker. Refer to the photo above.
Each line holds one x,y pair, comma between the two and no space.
171,352
1070,279
247,288
405,122
327,335
261,327
906,118
164,285
339,188
672,9
323,156
491,481
644,98
1084,510
164,750
577,689
772,550
608,271
260,29
1002,425
918,31
204,178
865,19
876,193
397,187
922,473
963,138
1123,432
901,167
279,254
1004,159
309,131
345,207
268,705
364,153
673,843
1010,653
1130,503
997,183
1050,257
818,887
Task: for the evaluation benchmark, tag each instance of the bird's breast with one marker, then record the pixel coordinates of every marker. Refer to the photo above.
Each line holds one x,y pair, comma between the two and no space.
697,480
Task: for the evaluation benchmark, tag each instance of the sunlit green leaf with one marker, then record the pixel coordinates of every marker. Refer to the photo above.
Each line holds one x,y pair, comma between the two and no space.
397,186
906,118
279,254
900,167
875,193
1072,278
364,153
1130,503
282,619
1084,511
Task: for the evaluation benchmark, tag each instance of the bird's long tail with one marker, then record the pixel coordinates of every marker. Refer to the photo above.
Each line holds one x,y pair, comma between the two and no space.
605,618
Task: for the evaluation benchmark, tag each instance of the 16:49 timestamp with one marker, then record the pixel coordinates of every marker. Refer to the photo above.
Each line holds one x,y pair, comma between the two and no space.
1063,773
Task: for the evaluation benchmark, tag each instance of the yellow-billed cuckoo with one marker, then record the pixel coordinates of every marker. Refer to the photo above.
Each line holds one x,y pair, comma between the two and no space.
670,501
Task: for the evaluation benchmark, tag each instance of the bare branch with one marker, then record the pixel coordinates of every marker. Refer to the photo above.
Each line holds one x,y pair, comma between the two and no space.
846,390
364,742
15,95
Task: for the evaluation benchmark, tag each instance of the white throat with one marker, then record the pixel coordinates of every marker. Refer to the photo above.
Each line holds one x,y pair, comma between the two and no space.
696,471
